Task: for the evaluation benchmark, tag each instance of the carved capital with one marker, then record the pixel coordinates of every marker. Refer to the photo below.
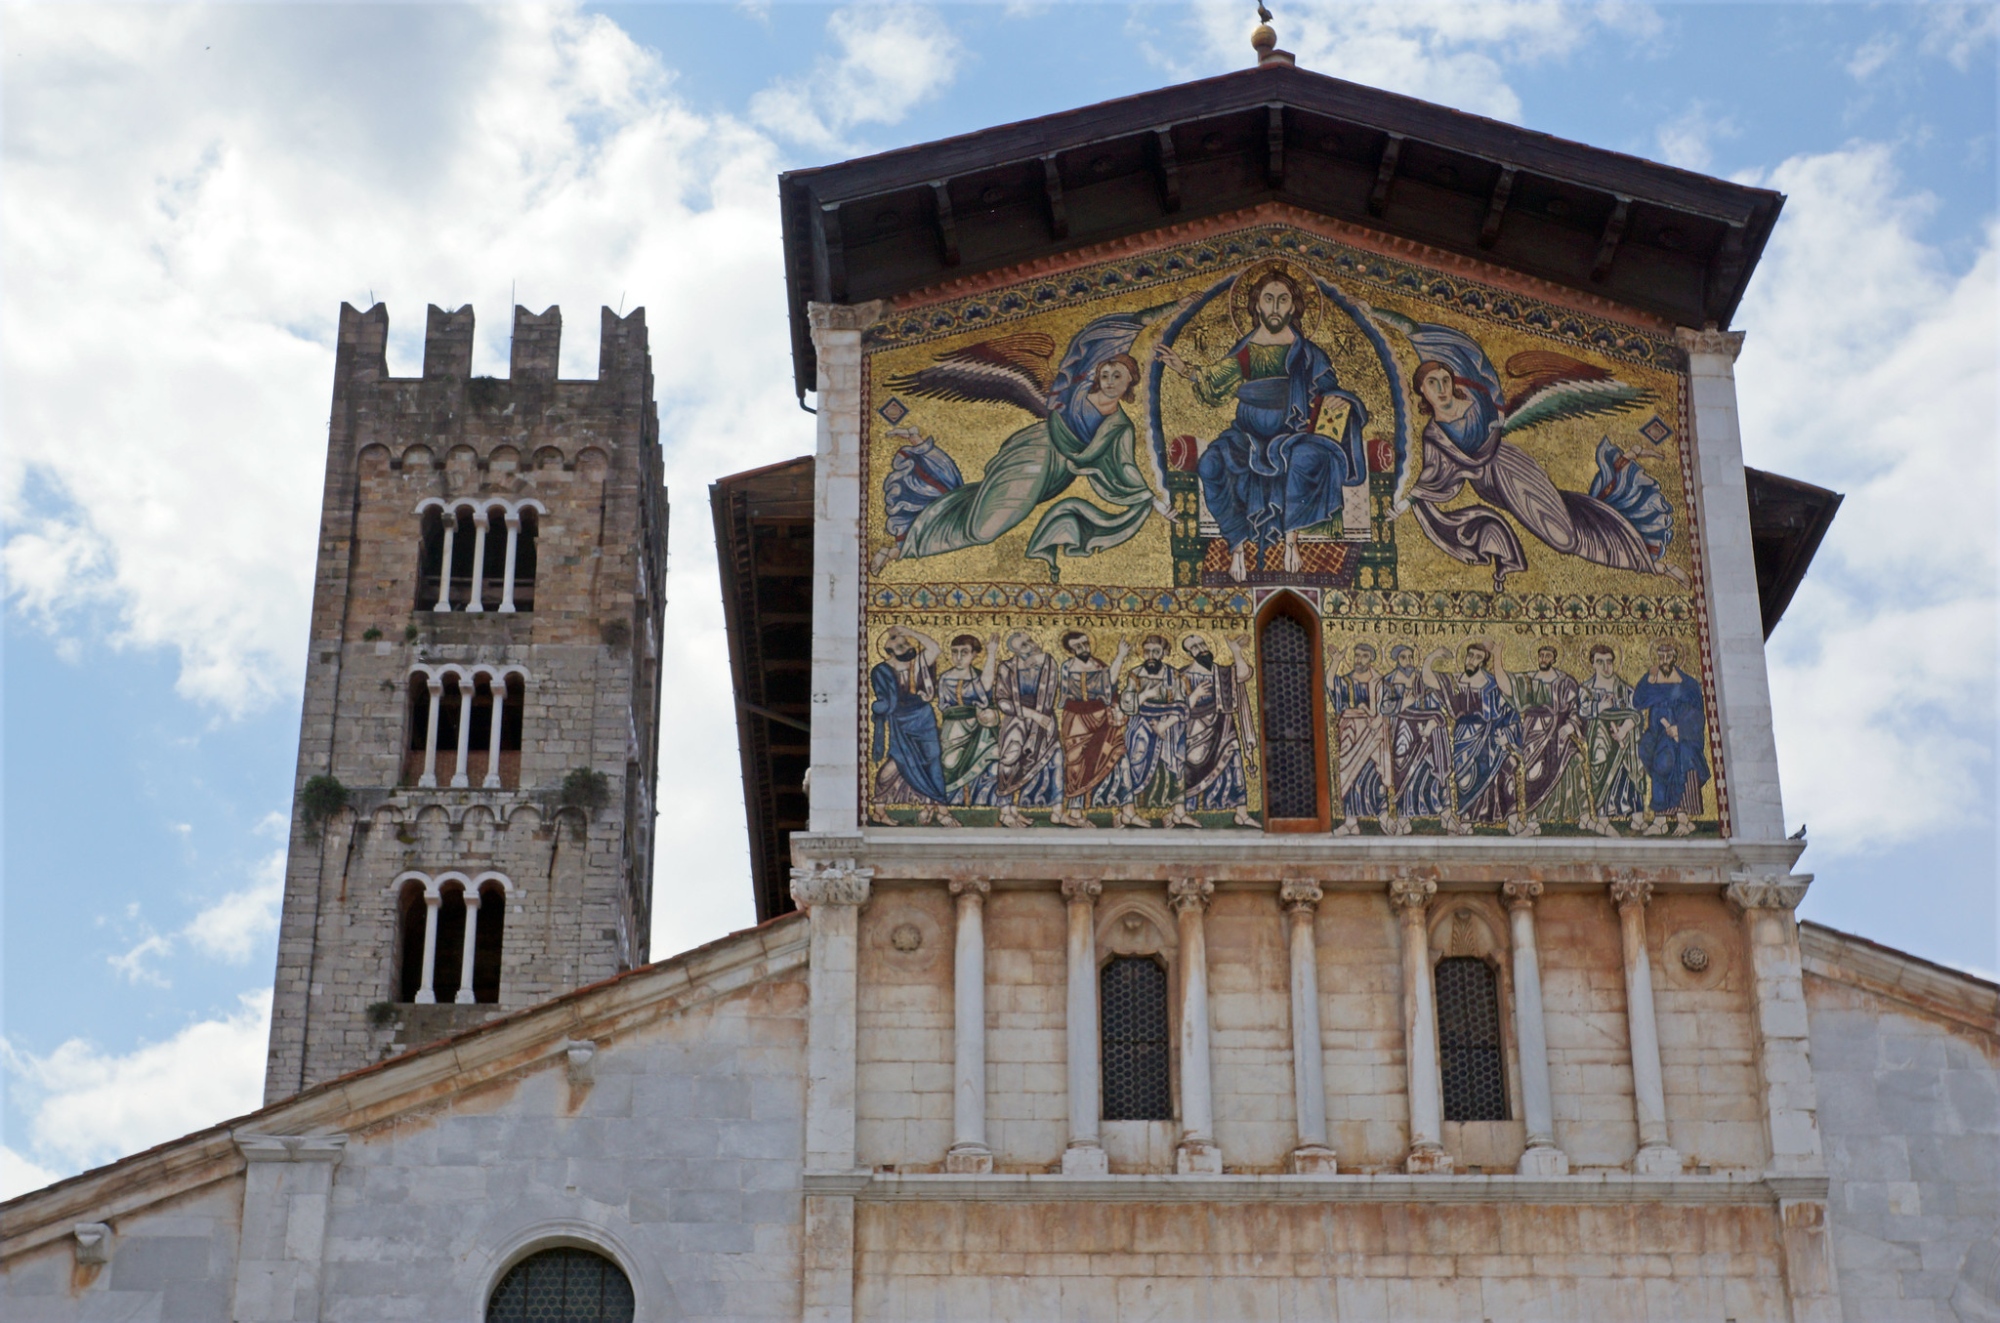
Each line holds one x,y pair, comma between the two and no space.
843,316
1522,895
1631,891
836,882
1190,894
290,1148
1412,895
1767,891
1085,889
1300,894
978,886
1709,340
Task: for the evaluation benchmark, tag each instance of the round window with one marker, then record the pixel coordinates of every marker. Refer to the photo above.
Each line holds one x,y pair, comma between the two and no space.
562,1286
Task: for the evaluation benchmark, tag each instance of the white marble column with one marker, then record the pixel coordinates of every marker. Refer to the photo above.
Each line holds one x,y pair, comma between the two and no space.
1085,1154
513,549
1411,898
459,779
831,893
1542,1157
498,684
1313,1155
1198,1151
1656,1156
426,992
465,997
478,598
450,519
430,776
968,1152
287,1186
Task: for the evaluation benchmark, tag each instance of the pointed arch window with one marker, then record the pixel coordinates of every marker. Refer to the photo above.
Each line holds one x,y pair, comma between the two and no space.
1293,724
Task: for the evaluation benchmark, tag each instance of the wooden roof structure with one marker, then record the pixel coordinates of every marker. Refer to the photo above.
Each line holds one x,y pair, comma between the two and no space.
1668,241
1788,520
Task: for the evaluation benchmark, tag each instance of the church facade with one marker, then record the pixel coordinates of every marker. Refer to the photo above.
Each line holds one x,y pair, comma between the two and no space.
1260,777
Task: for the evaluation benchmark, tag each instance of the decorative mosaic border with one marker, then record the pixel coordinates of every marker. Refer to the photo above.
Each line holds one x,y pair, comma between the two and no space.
1054,598
1147,270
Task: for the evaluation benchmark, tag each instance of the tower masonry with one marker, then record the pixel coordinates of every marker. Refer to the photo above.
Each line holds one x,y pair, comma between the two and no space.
473,828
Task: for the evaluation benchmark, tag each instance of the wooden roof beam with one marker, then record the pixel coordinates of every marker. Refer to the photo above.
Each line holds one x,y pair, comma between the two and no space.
1052,189
1385,174
1274,147
1168,168
1496,206
947,225
1614,232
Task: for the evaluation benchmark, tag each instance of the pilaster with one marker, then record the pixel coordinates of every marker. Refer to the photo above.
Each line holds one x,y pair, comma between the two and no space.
1656,1157
969,1153
1084,1155
287,1182
1313,1155
1541,1157
1198,1151
1411,898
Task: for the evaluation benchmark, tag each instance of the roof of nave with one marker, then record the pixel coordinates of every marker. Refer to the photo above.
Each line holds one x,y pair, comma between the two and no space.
1924,985
506,1046
1663,240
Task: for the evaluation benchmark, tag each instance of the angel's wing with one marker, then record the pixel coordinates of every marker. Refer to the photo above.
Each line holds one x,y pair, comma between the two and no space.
1455,349
1106,337
1558,386
1008,369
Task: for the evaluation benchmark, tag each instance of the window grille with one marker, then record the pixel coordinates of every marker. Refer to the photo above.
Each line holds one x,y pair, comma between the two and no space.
562,1286
1133,1005
1291,784
1468,1011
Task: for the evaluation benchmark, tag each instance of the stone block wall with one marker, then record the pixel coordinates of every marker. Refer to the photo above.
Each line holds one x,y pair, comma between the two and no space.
174,1261
588,453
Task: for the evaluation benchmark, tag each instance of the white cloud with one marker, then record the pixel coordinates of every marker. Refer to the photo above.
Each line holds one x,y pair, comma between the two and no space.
892,59
86,1107
1958,32
1687,139
1455,54
1870,368
18,1175
1871,55
231,929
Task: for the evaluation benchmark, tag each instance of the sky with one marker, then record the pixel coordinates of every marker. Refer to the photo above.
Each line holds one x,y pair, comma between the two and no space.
188,193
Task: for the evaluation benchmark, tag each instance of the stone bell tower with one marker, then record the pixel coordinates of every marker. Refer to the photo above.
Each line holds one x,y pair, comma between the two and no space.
473,828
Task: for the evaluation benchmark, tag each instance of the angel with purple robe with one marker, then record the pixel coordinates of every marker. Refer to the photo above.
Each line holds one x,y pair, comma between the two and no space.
1624,521
1080,430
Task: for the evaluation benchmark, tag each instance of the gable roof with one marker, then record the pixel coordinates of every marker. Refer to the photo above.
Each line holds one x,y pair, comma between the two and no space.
513,1044
1923,985
1668,241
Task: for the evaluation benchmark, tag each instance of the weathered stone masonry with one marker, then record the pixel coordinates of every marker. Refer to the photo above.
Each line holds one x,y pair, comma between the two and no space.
579,907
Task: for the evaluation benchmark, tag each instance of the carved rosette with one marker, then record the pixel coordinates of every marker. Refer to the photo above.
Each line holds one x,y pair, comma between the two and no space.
1522,895
1300,895
1190,894
1767,891
1085,889
1631,891
1412,895
837,882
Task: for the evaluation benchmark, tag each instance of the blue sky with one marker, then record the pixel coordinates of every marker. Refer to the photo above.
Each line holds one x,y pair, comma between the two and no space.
190,192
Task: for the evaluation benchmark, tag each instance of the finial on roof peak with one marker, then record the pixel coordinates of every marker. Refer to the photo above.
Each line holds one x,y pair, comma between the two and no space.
1264,40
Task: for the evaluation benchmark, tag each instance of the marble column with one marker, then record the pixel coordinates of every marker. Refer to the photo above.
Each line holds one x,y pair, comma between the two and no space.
426,992
450,518
1198,1151
477,601
498,684
1542,1157
1085,1154
969,1153
1313,1155
513,549
466,949
1656,1156
1411,898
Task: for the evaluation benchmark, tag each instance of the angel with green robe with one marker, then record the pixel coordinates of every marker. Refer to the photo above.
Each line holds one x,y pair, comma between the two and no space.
1080,430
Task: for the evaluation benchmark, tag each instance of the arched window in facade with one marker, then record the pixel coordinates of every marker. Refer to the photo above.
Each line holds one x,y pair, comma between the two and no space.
451,938
565,1285
1471,1055
453,739
477,555
1132,1000
1295,797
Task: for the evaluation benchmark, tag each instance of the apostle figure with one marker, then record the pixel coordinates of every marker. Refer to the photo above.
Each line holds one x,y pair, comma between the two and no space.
1419,740
1220,734
1272,474
1485,742
906,740
1153,699
1028,770
1674,747
1092,744
1362,714
1611,733
1555,777
970,732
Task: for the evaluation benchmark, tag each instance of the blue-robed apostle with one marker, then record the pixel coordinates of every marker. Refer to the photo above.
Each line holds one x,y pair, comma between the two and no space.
908,747
1674,747
1271,473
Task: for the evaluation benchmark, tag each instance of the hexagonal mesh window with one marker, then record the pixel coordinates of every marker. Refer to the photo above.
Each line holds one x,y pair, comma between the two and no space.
564,1285
1133,1001
1469,1052
1290,788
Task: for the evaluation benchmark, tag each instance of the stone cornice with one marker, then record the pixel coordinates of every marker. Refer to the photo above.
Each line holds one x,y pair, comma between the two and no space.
1931,989
1586,1188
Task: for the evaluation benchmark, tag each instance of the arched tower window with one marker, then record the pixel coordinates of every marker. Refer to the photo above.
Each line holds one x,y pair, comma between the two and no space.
1294,727
489,943
1132,995
565,1285
450,943
1470,1054
411,922
430,556
477,558
450,965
